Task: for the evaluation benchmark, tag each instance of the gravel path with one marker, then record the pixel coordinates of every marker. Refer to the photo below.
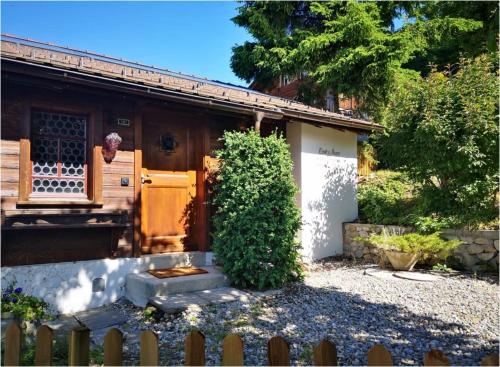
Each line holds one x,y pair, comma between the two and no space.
337,301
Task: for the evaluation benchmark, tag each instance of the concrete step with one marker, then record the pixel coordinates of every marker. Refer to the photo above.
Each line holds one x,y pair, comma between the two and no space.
173,259
141,287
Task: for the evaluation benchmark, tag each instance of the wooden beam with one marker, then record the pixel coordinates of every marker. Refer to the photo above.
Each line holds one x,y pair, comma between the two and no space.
25,154
258,119
137,180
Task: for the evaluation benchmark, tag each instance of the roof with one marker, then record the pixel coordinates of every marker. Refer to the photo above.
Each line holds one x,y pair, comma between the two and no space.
102,66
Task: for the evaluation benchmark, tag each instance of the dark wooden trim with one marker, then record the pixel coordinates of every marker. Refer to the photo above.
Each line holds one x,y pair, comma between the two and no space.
137,180
58,203
96,159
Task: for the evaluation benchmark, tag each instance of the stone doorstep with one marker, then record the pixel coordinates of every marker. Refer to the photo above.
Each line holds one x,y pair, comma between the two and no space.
141,287
181,301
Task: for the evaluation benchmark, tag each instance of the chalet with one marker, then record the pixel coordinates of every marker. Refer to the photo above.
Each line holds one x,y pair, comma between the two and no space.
105,162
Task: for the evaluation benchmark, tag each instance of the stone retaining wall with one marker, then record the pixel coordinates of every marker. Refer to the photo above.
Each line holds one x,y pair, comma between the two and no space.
480,248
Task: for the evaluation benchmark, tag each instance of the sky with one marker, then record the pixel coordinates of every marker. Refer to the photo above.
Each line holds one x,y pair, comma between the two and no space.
193,38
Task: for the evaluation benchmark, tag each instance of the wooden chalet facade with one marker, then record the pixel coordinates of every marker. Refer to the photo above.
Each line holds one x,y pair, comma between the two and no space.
65,197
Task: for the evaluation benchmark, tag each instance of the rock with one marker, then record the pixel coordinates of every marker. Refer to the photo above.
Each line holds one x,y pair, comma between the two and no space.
485,256
495,243
494,261
467,260
475,249
483,241
358,253
462,248
489,248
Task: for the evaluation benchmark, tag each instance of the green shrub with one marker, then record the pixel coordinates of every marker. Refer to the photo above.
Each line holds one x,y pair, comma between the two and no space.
415,243
256,218
390,197
386,197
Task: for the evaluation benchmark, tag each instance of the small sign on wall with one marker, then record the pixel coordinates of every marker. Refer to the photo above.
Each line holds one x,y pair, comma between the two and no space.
123,122
328,151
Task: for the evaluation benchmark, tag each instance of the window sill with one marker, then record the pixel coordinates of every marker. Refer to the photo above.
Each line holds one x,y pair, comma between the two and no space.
38,202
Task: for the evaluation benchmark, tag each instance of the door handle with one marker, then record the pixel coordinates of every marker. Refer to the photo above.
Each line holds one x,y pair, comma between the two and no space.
146,180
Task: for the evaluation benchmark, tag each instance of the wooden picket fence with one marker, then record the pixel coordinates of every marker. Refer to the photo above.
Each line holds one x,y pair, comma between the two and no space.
278,352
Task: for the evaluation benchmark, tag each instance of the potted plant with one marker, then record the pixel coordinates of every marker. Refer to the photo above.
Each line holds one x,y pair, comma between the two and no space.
404,251
27,311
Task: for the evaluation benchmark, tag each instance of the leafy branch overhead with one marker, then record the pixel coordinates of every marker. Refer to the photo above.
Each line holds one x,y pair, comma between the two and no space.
355,48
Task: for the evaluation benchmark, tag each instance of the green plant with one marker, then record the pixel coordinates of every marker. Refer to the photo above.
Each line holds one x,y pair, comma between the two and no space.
149,313
426,245
96,356
256,219
59,353
22,306
442,267
386,197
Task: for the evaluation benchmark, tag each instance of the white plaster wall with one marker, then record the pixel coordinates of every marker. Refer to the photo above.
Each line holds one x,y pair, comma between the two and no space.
327,176
67,286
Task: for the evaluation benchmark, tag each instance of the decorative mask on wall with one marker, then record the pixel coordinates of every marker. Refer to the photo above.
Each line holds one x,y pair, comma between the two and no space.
111,143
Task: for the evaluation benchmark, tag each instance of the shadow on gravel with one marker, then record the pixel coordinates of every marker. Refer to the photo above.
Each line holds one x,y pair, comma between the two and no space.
355,325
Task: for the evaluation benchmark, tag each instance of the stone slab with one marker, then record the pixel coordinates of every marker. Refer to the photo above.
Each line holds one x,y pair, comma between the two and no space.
101,318
222,295
379,273
63,323
177,302
416,276
268,293
408,275
181,301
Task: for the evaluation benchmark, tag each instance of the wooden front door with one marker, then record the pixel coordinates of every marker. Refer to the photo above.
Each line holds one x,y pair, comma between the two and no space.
169,203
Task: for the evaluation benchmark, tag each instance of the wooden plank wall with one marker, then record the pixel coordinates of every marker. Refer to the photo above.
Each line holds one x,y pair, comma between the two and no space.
9,150
115,196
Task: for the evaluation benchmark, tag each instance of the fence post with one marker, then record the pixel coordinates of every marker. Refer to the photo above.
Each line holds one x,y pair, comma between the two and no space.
113,348
79,346
278,353
490,360
12,355
378,355
149,349
43,348
325,354
232,351
194,349
436,358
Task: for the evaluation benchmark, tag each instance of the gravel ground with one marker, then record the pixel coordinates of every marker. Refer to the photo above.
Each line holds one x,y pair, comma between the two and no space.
337,301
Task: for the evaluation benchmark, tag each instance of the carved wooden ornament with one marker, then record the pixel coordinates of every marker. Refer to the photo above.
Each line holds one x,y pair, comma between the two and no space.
111,143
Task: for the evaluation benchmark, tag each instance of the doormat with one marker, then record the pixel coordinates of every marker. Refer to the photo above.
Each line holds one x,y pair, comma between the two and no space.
176,272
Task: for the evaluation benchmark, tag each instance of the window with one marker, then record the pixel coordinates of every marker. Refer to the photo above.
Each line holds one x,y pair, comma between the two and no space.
58,155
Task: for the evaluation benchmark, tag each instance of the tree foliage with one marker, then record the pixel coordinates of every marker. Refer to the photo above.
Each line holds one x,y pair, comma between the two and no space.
355,48
443,131
256,218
